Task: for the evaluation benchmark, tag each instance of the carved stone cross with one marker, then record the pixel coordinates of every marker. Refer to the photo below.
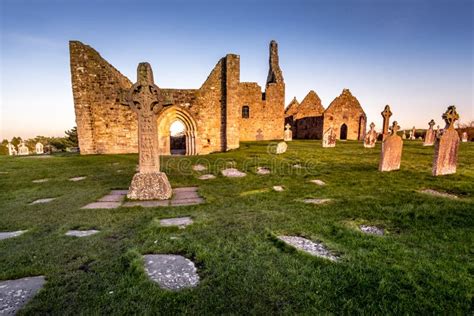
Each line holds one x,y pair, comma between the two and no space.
287,126
372,126
450,116
386,113
431,124
395,127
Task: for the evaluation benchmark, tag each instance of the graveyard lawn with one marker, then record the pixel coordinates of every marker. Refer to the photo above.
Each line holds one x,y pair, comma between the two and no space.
422,264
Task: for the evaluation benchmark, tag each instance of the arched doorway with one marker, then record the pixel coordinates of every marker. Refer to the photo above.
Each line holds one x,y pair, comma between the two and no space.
172,121
343,134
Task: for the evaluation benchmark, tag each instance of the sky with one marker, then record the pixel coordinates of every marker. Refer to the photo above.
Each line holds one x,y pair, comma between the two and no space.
415,55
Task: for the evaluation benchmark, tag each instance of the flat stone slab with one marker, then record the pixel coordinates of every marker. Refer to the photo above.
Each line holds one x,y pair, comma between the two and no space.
75,179
6,235
199,167
297,166
207,177
171,272
318,182
81,233
40,180
278,188
181,222
439,194
111,198
233,173
306,245
181,197
118,192
372,230
147,203
40,201
263,170
102,205
316,201
14,294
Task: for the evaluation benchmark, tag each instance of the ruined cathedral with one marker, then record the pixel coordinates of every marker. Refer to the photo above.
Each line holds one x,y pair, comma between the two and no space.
216,116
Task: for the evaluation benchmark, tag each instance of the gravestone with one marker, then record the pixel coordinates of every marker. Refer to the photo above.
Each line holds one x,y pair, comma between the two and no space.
288,133
413,133
329,138
464,137
11,149
447,145
23,149
404,136
386,113
371,137
391,150
430,135
39,149
145,99
281,148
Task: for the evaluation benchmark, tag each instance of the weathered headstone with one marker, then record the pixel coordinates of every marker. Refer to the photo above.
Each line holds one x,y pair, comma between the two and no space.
464,137
386,113
288,133
391,150
404,136
145,99
39,149
446,145
371,137
281,148
430,135
413,133
23,149
11,149
329,138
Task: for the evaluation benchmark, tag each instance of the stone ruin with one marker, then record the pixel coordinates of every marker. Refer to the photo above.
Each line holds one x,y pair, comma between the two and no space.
145,99
447,145
329,138
430,135
288,134
391,150
371,137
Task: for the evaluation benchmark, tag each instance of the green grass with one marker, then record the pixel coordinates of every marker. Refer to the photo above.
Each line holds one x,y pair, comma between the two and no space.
423,265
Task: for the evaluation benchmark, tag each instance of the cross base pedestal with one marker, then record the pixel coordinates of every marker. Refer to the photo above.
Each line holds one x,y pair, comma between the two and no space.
150,186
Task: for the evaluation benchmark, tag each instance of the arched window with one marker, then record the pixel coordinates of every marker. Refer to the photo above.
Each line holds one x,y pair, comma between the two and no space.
245,111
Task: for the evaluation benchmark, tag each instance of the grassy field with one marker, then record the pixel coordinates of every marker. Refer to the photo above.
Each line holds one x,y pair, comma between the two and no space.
424,263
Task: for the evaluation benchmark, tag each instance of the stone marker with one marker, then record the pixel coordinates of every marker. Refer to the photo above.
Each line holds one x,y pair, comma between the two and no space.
75,179
281,148
306,245
372,230
316,201
404,136
430,135
81,233
318,182
171,272
146,100
464,137
14,294
278,188
6,235
181,222
437,193
329,138
288,137
41,201
207,177
23,149
39,149
446,145
413,133
40,180
11,149
233,173
371,137
391,150
199,167
386,113
263,170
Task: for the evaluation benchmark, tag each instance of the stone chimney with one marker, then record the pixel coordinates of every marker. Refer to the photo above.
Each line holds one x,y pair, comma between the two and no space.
274,73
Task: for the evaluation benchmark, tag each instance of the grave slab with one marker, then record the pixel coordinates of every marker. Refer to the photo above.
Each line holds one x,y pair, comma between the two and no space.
318,182
171,272
118,192
40,180
199,167
81,233
111,198
316,201
263,170
6,235
233,173
181,222
184,202
437,193
306,245
147,203
372,230
278,188
41,201
102,205
14,294
207,177
75,179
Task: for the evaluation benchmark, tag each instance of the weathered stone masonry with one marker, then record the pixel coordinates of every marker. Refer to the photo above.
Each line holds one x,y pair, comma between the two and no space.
217,116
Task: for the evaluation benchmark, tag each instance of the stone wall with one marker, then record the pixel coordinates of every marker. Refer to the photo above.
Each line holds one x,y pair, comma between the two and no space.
308,120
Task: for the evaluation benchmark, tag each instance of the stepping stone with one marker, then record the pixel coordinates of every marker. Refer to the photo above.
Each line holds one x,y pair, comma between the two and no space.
207,177
186,196
14,294
372,230
318,182
263,170
111,198
181,222
278,188
171,272
437,193
316,201
102,205
147,203
6,235
199,167
40,181
306,245
81,233
254,192
75,179
40,201
297,166
233,173
118,192
184,202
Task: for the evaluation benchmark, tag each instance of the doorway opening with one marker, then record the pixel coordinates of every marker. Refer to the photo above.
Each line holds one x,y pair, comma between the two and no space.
177,138
343,135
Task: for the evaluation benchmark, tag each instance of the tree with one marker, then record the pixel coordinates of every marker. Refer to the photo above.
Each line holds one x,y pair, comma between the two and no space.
72,137
3,147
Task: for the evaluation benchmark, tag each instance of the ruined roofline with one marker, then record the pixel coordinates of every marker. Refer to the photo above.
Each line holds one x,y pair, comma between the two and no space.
345,91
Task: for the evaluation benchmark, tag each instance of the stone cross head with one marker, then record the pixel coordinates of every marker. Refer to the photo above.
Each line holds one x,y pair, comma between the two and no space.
450,116
386,113
431,124
395,127
287,126
372,126
145,96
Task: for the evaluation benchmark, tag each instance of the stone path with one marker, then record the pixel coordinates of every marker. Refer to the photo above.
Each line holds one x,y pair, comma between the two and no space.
233,173
372,230
40,180
306,245
318,182
181,197
171,272
181,222
6,235
14,294
263,170
207,177
75,179
199,167
437,193
41,201
278,188
81,233
316,201
112,200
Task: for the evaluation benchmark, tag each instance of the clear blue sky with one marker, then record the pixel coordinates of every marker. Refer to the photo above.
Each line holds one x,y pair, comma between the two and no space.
416,55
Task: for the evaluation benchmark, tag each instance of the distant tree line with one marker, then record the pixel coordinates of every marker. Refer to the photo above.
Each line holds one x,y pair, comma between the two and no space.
56,143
